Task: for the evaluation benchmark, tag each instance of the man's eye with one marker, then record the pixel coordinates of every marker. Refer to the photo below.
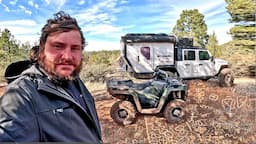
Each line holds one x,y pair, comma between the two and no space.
76,48
58,46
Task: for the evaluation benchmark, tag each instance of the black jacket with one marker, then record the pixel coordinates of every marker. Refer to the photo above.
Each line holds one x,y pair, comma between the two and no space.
35,109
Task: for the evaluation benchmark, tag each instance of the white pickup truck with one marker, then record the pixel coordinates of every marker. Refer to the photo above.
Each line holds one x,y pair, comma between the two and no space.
142,54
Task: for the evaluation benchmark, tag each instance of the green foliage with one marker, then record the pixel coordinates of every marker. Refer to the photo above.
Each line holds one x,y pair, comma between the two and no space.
97,65
244,44
243,32
104,57
241,10
192,24
7,42
241,50
242,13
240,56
95,72
213,46
10,51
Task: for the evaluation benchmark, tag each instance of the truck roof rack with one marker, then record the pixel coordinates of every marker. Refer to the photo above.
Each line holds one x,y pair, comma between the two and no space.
148,37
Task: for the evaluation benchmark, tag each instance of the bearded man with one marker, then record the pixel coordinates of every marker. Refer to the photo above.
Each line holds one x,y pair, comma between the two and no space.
48,101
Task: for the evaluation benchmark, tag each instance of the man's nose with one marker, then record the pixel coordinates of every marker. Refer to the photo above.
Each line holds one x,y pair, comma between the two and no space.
66,53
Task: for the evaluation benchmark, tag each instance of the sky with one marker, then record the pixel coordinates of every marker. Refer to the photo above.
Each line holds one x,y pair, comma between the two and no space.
103,22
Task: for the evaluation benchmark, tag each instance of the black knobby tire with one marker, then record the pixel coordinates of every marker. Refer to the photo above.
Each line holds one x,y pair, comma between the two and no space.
226,78
175,111
123,112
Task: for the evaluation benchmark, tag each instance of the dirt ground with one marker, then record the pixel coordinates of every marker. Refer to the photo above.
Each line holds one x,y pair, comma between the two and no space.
215,116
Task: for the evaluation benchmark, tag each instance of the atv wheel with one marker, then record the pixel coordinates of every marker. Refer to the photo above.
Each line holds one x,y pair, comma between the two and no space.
123,112
226,78
174,111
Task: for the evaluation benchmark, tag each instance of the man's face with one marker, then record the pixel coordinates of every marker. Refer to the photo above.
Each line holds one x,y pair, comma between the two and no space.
62,55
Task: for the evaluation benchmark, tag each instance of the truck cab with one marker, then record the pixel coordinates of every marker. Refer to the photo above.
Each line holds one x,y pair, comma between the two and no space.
195,63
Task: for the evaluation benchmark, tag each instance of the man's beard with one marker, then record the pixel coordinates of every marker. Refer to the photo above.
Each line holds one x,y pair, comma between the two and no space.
50,68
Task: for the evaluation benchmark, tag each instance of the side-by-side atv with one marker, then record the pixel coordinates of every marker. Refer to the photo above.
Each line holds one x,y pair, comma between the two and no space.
161,95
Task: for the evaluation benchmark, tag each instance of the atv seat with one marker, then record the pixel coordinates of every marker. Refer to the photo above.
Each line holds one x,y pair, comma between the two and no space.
140,86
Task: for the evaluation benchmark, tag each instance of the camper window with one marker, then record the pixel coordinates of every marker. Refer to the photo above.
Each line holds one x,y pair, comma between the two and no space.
145,51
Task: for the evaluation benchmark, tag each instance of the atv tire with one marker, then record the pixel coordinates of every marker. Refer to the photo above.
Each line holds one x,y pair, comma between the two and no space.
175,111
123,112
226,78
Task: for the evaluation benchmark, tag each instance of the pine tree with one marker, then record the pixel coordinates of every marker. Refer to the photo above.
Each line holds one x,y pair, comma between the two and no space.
213,46
191,24
243,14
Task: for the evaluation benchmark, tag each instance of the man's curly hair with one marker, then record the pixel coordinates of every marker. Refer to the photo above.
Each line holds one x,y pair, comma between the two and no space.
61,22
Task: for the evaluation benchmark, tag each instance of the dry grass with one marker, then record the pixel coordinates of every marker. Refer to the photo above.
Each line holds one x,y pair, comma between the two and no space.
247,80
95,86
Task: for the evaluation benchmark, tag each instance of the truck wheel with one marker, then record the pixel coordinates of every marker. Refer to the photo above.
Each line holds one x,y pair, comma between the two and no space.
123,112
175,111
226,78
